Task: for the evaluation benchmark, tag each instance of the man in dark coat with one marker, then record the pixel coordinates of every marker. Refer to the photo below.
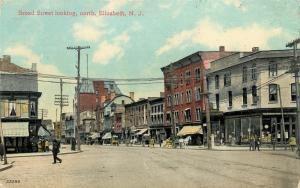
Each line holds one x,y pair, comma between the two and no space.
1,150
55,150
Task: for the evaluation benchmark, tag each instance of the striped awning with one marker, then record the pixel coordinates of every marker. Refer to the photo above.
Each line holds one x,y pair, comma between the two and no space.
190,130
15,129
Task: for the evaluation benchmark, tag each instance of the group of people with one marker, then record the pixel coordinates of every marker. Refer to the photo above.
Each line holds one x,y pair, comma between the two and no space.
254,143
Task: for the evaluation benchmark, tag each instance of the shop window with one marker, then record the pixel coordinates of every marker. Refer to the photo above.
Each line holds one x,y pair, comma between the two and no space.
12,108
273,92
32,108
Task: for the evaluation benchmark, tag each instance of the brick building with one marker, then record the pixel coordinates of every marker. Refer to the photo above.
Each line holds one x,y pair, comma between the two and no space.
184,83
94,93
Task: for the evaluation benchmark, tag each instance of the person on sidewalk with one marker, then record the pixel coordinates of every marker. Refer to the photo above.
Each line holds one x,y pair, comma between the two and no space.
55,151
251,143
257,142
292,142
1,150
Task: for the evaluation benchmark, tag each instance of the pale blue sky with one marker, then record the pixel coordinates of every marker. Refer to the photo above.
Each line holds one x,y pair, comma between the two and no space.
136,47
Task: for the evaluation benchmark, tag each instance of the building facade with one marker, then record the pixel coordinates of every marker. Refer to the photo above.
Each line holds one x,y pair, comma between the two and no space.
19,106
156,126
184,86
252,90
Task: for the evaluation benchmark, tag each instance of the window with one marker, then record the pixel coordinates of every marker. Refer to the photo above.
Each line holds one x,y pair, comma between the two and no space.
168,118
254,72
32,108
217,101
230,98
217,82
188,115
12,108
182,98
176,99
244,74
181,79
272,92
176,116
197,74
188,96
169,100
254,95
272,69
227,79
197,93
188,77
293,92
198,114
207,83
244,96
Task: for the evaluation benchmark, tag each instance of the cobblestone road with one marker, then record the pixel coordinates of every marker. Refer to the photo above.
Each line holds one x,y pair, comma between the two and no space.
138,167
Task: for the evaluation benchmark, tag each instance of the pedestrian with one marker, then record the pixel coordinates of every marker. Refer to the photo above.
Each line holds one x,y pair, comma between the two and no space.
292,142
257,142
46,145
251,143
1,151
55,151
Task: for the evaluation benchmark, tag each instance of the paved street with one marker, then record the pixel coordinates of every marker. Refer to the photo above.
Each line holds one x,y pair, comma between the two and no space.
130,167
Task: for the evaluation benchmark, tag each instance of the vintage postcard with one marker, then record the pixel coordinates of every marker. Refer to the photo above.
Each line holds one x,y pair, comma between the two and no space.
150,93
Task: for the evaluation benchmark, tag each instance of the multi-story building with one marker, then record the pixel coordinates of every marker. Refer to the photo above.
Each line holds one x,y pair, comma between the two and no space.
19,106
69,122
251,89
88,126
112,117
94,93
138,117
184,86
156,125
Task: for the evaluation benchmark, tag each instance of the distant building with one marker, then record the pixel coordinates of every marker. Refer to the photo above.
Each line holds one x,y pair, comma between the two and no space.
69,122
156,126
19,106
94,93
184,86
87,126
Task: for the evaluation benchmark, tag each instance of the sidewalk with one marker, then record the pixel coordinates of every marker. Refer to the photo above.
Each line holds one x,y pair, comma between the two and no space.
65,149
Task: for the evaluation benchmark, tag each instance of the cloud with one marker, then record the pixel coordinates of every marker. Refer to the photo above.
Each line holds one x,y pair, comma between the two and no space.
23,51
115,5
236,3
165,6
107,51
212,35
85,32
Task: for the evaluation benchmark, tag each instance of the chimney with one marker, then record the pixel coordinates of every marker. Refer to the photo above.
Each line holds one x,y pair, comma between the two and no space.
255,49
162,94
33,67
6,59
131,95
221,48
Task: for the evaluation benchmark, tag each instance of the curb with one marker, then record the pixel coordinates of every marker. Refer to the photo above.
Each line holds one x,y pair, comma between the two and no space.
6,167
44,155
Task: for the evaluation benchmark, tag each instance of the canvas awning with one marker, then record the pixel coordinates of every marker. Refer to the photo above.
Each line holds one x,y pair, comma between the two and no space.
189,130
106,136
43,132
95,135
142,131
15,129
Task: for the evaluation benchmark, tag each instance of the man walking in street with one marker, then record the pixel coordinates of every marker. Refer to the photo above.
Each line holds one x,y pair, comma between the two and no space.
55,151
1,151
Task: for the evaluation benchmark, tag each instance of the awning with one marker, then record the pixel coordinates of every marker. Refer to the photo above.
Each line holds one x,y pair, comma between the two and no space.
106,136
43,132
95,135
142,131
189,130
15,129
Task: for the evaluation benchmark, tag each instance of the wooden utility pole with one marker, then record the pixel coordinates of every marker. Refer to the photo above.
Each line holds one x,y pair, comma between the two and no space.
207,111
78,49
295,68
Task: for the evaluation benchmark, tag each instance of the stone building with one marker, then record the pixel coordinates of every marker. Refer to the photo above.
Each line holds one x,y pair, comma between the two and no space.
250,89
19,106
